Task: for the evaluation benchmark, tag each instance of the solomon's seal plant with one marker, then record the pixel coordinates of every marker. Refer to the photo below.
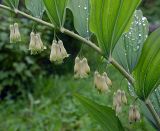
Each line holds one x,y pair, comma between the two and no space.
122,38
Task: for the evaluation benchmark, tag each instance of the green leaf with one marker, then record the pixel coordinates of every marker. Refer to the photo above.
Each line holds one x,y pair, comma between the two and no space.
147,114
147,71
104,115
109,20
56,10
12,3
80,10
128,49
155,99
36,7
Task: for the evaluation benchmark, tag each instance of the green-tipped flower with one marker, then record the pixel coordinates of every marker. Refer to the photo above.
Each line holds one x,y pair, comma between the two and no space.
134,114
119,99
81,68
108,81
63,50
124,98
58,52
36,45
53,54
12,37
17,33
14,33
100,82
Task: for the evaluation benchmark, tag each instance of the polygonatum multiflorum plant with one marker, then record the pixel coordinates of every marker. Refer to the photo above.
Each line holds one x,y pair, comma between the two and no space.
121,33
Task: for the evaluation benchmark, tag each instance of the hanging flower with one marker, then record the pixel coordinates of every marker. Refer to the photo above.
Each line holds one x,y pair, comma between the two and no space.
12,36
100,82
86,67
81,68
36,45
108,81
53,54
58,52
14,33
118,99
134,114
63,50
124,98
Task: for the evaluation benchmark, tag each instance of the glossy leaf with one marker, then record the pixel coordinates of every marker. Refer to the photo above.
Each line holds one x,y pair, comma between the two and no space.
80,10
147,71
36,7
104,115
128,49
56,10
12,3
109,20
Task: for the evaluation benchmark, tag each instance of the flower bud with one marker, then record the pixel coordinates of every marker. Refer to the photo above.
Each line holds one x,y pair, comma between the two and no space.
108,81
16,32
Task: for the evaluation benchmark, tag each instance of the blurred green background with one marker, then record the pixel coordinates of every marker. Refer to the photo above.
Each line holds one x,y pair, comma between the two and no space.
36,95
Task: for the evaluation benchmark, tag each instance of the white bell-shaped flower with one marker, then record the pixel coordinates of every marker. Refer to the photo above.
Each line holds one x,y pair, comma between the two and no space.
16,32
12,35
53,54
58,52
108,81
134,114
36,45
100,82
81,68
59,55
64,53
118,100
86,66
124,98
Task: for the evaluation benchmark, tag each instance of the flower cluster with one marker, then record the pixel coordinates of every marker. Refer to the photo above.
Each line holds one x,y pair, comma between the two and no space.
36,45
14,33
58,52
134,114
102,82
119,99
81,68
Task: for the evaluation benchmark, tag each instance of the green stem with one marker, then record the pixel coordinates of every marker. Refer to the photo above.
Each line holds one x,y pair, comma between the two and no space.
121,70
74,35
153,112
